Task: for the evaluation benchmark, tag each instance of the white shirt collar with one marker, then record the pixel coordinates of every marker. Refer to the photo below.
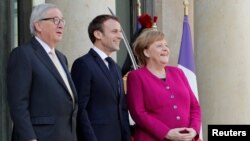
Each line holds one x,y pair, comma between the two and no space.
44,45
100,53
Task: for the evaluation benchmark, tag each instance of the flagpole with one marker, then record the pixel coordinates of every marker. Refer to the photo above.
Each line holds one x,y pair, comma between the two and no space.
185,3
138,8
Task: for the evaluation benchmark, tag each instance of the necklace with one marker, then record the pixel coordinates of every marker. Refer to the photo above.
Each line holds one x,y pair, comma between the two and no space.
158,73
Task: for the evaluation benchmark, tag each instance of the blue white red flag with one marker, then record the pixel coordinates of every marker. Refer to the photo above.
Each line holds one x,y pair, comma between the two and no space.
186,59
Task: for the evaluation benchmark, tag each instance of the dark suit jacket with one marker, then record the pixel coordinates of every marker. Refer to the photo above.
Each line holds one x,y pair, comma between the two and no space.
40,104
102,115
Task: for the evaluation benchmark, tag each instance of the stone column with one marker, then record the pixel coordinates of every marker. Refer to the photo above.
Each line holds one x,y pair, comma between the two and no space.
78,14
222,33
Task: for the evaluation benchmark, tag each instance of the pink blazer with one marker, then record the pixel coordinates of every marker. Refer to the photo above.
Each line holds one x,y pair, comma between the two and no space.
158,105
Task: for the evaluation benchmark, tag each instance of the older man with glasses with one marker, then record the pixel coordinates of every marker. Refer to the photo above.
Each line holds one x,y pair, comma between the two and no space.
41,94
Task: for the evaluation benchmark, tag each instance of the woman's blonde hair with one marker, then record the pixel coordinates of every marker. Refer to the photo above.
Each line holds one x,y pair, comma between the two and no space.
143,41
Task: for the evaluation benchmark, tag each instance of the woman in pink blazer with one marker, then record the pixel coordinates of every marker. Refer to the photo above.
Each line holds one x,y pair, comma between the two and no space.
160,99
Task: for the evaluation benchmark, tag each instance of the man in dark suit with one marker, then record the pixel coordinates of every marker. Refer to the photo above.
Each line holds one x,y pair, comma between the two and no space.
41,94
103,114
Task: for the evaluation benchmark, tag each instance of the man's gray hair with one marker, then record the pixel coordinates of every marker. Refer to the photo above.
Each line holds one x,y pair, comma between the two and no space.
38,13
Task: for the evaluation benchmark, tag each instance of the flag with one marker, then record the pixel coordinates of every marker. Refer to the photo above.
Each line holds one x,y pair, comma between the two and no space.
186,59
138,25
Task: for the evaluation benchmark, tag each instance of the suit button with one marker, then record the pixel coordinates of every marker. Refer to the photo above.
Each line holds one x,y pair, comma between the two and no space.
167,87
178,117
172,96
175,106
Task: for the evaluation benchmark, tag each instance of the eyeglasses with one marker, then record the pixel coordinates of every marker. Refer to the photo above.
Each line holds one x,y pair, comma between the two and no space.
56,20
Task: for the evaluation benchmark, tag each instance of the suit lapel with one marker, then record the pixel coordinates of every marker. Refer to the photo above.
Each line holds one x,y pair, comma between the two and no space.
44,57
104,68
64,65
121,91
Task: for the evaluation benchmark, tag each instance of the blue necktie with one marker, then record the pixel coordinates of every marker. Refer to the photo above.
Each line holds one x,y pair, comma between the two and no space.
114,73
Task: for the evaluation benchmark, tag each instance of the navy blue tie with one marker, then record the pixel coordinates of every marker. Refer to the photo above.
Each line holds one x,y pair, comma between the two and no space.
114,73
